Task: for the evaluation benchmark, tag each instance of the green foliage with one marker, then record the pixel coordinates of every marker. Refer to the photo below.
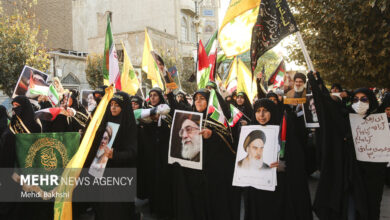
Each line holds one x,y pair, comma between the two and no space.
19,45
94,70
348,41
185,67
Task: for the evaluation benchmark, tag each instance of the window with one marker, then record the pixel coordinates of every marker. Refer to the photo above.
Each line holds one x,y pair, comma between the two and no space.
184,29
193,32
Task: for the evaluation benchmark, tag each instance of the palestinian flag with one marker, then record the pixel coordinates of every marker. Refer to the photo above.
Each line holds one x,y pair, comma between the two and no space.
214,108
48,114
111,72
53,95
34,89
232,86
204,67
235,117
276,79
211,50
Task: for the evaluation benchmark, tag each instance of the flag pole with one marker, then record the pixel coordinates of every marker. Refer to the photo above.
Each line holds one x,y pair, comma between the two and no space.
178,76
304,50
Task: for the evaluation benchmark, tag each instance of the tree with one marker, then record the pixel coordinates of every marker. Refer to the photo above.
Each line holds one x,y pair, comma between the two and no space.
348,41
270,60
19,44
94,70
185,67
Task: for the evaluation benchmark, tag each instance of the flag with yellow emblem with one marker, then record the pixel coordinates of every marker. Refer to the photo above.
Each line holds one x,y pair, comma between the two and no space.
129,80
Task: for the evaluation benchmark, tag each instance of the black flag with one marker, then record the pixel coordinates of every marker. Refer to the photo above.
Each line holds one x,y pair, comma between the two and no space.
274,22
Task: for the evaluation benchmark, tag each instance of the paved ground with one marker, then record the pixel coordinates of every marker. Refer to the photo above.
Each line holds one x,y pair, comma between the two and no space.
385,209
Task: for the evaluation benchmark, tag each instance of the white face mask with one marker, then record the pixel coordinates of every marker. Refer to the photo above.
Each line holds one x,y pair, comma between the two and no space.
360,107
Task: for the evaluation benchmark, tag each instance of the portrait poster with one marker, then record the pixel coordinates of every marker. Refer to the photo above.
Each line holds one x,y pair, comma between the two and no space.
371,137
294,95
185,143
167,78
310,113
87,100
23,83
257,149
100,161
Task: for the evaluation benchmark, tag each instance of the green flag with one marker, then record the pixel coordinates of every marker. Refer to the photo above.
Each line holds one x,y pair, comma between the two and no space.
46,152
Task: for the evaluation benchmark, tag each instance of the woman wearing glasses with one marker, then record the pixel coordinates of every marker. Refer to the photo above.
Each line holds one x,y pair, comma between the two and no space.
348,188
373,175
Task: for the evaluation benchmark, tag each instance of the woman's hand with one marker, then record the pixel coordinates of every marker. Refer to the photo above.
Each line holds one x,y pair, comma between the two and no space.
243,122
108,152
274,164
206,133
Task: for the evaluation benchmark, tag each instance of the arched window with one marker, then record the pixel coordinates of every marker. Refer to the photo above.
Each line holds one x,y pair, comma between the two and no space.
193,33
184,29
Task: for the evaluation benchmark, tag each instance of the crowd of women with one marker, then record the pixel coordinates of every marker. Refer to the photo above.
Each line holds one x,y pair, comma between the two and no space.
347,188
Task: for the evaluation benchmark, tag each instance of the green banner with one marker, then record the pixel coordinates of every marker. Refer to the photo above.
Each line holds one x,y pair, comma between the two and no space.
47,153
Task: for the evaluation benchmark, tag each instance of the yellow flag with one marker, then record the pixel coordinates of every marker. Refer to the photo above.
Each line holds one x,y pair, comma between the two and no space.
235,33
232,73
63,206
245,82
149,65
129,80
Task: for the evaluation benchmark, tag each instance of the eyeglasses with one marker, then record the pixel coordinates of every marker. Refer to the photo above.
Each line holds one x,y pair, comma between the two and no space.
188,129
362,99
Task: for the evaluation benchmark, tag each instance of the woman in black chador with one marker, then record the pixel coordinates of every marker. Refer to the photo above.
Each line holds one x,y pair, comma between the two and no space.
123,153
291,198
243,104
208,193
22,121
156,140
348,189
3,119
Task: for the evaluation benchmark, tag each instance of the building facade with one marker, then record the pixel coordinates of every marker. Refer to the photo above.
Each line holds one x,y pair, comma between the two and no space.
76,28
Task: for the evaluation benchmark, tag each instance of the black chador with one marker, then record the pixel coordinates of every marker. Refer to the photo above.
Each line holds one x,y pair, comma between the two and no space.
291,198
124,152
340,181
156,142
208,193
22,121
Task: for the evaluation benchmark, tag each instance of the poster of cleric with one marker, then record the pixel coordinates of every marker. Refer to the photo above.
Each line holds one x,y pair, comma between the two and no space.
185,143
257,149
310,113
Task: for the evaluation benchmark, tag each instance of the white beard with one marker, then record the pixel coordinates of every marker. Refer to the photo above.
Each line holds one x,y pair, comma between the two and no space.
296,89
256,164
91,107
190,150
315,117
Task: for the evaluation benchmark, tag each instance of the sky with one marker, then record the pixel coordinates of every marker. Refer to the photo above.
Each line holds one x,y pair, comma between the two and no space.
279,49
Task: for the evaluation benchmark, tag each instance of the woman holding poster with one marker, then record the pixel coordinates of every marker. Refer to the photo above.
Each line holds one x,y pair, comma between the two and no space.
122,153
373,174
208,193
347,187
286,202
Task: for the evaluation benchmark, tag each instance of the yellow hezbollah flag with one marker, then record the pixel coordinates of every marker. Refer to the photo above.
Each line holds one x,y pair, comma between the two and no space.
244,75
63,206
232,73
149,65
129,80
235,33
